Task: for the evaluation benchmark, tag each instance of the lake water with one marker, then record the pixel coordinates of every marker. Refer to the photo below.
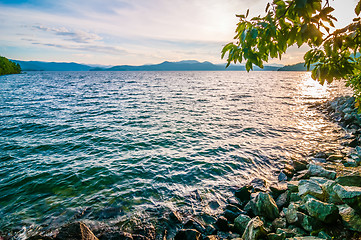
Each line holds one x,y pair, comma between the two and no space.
121,144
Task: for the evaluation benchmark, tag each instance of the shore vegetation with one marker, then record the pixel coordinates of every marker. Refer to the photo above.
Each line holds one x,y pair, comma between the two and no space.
8,67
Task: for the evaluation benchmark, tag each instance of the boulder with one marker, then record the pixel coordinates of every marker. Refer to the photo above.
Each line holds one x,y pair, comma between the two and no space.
319,171
350,181
283,199
350,218
259,184
282,177
326,212
254,230
300,165
266,206
330,195
279,223
243,194
222,224
310,187
308,223
194,224
175,217
349,195
241,222
278,188
291,213
116,235
76,231
292,186
187,234
275,236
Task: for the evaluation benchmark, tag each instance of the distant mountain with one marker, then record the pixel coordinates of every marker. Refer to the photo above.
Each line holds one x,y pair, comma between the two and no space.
188,65
51,66
295,67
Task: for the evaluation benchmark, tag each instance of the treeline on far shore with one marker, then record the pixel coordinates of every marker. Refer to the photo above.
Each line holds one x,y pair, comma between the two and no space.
8,67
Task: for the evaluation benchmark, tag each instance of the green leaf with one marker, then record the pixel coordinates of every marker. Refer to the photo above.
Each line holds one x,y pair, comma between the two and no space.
358,8
247,13
254,33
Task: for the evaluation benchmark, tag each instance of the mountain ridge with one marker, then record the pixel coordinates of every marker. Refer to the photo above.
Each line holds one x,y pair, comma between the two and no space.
184,65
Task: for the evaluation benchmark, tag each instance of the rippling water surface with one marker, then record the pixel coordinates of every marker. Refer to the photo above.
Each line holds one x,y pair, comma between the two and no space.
122,143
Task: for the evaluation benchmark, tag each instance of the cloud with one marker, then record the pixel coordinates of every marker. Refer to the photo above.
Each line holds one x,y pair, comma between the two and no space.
78,36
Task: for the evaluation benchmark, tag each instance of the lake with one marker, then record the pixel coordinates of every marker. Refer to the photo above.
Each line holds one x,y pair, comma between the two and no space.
114,145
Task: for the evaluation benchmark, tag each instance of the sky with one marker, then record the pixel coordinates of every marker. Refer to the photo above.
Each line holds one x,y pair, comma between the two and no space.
134,32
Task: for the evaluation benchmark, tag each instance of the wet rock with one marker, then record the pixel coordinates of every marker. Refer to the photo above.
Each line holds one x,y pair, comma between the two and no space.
196,195
294,197
233,208
211,237
210,230
350,181
275,236
292,186
320,180
319,171
289,170
148,231
335,157
266,206
259,184
310,187
288,232
254,230
278,188
194,224
282,177
349,195
187,234
214,205
230,215
75,231
291,213
234,201
279,223
222,224
175,217
243,194
283,199
116,235
300,165
324,235
350,218
38,237
308,223
330,195
325,212
241,222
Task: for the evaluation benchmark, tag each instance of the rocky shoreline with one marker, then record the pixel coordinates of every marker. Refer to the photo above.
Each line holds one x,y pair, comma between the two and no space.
317,199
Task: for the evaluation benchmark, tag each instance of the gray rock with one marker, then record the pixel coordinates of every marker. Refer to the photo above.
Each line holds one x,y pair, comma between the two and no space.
319,171
294,197
279,223
291,213
175,217
266,206
308,223
275,236
300,165
187,234
75,231
352,180
222,224
283,199
278,188
305,238
194,224
320,180
326,212
350,218
243,194
230,215
310,187
214,204
116,235
211,237
330,195
254,230
282,177
241,222
349,195
259,184
288,232
292,186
